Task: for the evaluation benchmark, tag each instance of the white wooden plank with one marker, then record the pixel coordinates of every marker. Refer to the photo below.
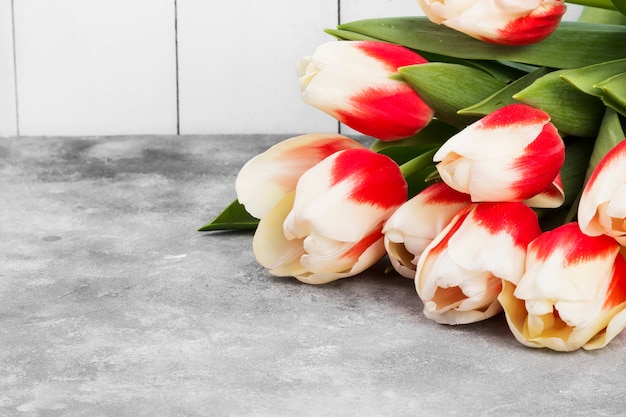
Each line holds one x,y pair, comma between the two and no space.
367,9
237,64
573,12
96,67
8,105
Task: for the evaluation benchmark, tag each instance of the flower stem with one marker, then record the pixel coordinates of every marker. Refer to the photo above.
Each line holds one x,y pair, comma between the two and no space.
602,4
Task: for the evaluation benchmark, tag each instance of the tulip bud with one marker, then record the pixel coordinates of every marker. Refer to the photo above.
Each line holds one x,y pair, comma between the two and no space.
602,206
507,22
512,154
573,293
459,275
352,82
417,222
331,227
268,177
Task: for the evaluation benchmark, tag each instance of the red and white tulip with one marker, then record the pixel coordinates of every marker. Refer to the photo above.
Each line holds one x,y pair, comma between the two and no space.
573,293
459,275
506,22
512,154
417,222
351,81
331,226
268,177
602,207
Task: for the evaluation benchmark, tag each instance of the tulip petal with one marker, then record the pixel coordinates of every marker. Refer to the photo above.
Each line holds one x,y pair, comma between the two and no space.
458,280
602,207
352,82
507,22
511,154
417,222
572,294
265,179
551,197
281,256
346,196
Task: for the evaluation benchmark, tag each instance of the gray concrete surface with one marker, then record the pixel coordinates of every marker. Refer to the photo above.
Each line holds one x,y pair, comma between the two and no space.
113,305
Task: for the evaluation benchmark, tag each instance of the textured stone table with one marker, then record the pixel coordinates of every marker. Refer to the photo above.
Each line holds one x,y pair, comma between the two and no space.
113,305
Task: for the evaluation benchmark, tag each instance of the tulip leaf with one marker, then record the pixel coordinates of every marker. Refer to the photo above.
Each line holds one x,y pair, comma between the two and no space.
233,217
610,134
614,92
571,111
503,71
620,5
571,45
430,137
418,171
585,78
504,96
448,88
577,154
346,35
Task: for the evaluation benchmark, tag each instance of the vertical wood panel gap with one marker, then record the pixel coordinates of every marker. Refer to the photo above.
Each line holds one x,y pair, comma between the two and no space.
338,23
16,98
176,60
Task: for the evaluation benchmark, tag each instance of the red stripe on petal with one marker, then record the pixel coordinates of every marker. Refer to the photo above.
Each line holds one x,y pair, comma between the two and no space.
532,28
616,293
393,56
442,193
387,113
515,219
361,246
539,164
455,224
574,244
616,153
375,178
319,149
513,114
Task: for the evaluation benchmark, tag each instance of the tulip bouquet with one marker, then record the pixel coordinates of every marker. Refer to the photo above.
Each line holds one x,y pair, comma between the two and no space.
496,178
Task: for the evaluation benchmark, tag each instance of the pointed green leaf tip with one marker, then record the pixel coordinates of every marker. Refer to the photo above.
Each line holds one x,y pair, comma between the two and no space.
448,88
233,217
571,111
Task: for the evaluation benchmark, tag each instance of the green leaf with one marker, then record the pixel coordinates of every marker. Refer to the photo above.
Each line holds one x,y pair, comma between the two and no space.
448,88
571,45
620,5
585,78
233,217
577,155
501,70
346,35
430,137
604,4
504,96
417,171
614,92
611,133
571,111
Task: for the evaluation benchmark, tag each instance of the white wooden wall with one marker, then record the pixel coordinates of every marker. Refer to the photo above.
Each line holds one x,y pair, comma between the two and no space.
115,67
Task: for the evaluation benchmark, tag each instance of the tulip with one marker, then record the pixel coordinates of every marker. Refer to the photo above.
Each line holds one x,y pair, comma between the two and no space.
351,81
417,222
512,154
331,226
505,22
602,207
573,293
459,275
268,177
